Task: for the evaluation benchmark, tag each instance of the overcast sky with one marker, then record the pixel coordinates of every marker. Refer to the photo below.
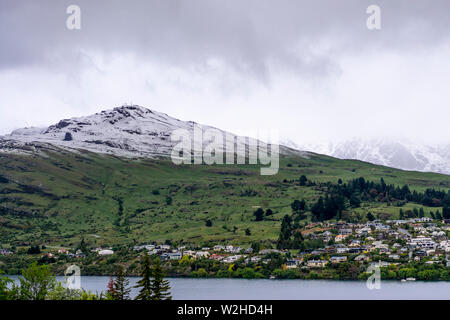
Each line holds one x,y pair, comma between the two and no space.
310,69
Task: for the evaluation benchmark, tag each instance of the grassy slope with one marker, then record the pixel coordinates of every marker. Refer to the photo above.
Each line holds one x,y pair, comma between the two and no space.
77,196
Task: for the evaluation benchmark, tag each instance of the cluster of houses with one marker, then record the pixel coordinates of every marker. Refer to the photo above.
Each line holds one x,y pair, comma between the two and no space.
226,254
394,240
78,254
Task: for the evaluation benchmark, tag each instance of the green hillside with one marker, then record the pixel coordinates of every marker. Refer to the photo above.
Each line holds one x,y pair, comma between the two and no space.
62,198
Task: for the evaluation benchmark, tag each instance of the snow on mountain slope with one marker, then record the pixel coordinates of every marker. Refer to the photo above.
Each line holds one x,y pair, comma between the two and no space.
129,131
397,154
134,131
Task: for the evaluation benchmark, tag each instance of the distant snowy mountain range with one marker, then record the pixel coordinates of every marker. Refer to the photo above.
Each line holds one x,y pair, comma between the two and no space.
397,154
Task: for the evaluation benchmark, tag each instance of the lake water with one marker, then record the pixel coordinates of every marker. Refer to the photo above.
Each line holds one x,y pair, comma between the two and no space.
240,289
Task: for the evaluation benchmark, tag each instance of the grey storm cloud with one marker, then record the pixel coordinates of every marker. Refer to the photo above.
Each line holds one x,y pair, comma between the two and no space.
311,69
246,34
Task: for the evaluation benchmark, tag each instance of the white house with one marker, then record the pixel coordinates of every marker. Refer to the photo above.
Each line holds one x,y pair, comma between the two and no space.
202,254
105,252
232,259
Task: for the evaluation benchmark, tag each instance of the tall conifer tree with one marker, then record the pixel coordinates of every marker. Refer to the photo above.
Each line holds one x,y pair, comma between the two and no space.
159,286
145,284
121,286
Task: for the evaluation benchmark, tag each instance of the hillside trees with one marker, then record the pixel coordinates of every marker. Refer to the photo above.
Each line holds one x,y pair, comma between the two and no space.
355,202
290,235
446,212
259,214
298,206
34,250
357,190
302,181
421,213
370,216
328,207
284,240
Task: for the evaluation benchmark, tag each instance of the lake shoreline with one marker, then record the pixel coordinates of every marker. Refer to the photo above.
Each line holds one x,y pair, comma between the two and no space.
285,289
275,279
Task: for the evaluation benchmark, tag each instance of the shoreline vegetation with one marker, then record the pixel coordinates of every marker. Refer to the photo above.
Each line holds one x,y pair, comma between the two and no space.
37,282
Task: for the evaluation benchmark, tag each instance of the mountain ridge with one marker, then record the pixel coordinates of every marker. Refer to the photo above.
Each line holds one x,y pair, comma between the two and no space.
136,131
399,154
128,131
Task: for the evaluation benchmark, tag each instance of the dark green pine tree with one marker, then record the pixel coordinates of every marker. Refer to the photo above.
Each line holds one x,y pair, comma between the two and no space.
302,181
370,216
159,286
121,286
298,239
145,284
383,185
421,213
432,215
284,241
83,246
259,214
446,212
318,209
298,206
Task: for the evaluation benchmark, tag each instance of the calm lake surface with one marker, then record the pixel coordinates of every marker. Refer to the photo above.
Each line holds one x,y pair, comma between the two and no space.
240,289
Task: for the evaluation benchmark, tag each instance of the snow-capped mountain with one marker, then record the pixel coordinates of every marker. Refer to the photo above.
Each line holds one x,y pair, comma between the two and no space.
134,131
129,131
397,154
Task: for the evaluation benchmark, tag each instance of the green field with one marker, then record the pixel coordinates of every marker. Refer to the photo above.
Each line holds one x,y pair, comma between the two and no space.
62,198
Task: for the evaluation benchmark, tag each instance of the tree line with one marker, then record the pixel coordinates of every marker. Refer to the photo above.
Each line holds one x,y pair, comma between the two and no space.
342,195
37,282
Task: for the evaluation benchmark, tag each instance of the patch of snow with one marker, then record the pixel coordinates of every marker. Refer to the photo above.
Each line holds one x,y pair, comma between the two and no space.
127,131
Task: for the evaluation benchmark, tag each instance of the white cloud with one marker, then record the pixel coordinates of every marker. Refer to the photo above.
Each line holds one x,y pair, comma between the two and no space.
280,68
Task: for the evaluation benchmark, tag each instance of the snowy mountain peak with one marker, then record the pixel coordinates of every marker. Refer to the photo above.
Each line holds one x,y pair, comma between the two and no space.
135,131
130,131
